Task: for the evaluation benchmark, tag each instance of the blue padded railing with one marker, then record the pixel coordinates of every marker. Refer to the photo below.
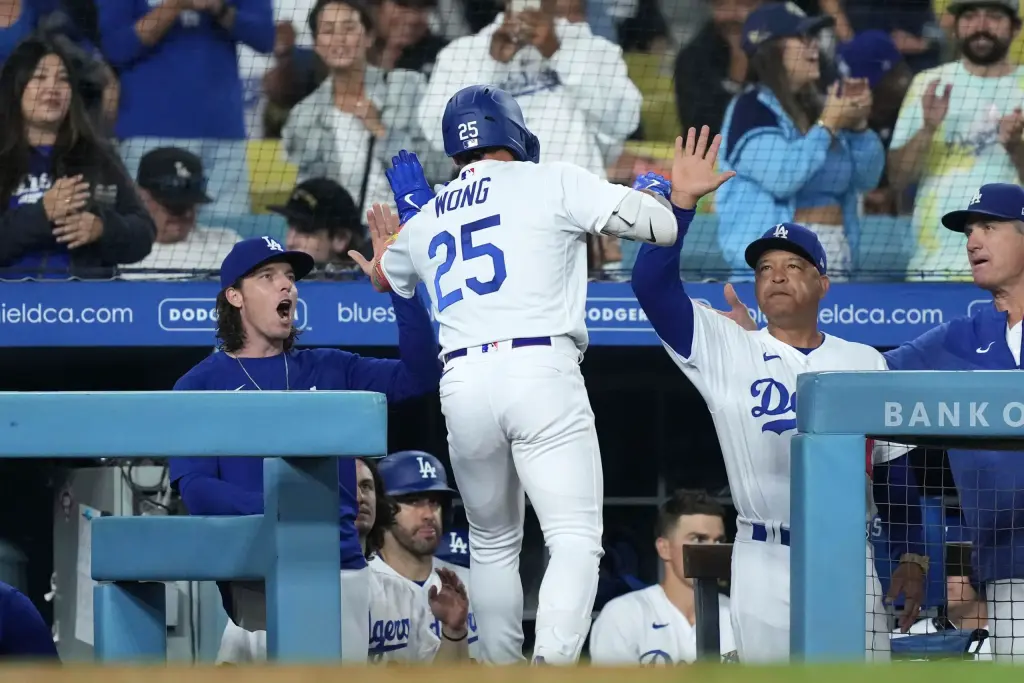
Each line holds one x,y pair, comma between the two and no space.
293,547
835,412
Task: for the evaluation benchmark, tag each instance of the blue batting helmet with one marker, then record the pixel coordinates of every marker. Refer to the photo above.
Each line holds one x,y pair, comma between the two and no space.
484,116
410,472
454,548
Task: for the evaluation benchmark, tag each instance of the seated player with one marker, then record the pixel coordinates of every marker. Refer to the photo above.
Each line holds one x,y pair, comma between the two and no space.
401,621
418,484
656,625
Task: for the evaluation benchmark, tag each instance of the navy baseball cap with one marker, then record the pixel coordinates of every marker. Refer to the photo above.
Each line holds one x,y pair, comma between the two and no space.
791,237
1001,201
870,55
248,255
774,20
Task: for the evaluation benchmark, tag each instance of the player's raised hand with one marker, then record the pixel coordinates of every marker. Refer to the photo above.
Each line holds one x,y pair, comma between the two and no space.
408,184
383,227
738,311
450,604
694,172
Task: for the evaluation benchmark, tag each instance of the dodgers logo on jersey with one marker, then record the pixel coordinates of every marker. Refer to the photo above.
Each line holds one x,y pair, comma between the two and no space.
775,400
387,635
655,658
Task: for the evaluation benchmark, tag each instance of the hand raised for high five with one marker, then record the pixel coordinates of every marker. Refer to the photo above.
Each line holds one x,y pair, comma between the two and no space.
694,171
383,229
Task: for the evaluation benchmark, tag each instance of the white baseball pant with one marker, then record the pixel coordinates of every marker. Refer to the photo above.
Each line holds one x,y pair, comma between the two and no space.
759,597
519,419
250,607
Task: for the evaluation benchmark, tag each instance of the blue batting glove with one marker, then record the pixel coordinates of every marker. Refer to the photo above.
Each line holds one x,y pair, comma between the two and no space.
654,183
408,184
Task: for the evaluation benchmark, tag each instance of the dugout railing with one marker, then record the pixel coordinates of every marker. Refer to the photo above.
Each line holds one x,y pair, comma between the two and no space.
293,546
835,413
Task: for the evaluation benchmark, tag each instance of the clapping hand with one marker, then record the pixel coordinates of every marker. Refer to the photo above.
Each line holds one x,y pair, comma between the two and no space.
450,604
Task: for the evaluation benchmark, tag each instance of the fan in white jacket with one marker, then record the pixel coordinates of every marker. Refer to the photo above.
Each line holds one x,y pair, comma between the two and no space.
577,99
656,626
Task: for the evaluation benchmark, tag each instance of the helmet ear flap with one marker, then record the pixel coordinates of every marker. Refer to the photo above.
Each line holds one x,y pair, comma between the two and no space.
532,148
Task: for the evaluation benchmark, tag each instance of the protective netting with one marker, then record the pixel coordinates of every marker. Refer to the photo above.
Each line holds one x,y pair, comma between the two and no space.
256,99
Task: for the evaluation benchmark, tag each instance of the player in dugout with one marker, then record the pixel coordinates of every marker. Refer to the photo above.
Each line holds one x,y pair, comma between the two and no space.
256,309
402,615
990,484
418,484
657,625
749,384
24,634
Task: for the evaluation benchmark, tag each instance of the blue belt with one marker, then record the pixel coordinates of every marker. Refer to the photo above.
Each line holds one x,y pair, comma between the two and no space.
516,343
760,533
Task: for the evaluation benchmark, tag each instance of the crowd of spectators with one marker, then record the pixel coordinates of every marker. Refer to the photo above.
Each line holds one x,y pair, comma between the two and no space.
142,134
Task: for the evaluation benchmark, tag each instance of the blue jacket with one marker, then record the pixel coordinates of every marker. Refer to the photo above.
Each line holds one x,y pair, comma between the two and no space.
990,483
187,85
778,169
23,633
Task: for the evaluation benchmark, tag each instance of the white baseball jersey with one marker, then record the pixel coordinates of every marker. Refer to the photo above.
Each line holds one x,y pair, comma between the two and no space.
502,251
399,624
643,627
748,380
378,564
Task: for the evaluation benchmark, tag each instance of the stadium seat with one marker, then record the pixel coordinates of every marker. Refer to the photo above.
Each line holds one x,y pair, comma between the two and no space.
653,77
271,175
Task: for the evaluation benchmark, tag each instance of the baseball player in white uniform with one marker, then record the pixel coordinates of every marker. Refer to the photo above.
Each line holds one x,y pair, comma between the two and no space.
502,252
655,626
749,383
401,619
417,483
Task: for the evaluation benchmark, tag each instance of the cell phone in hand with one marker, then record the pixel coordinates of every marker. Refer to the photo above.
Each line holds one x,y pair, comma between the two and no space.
517,6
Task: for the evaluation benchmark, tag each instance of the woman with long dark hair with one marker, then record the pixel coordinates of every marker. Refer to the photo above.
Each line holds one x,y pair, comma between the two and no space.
799,157
67,206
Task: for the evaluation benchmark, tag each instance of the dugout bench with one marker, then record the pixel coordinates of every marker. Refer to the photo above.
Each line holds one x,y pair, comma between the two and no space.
293,547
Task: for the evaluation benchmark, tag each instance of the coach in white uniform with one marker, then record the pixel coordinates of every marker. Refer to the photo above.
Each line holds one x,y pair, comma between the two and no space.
417,483
400,619
502,252
749,383
656,626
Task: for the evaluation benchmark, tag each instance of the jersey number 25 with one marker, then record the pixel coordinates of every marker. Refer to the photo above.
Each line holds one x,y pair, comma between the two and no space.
470,251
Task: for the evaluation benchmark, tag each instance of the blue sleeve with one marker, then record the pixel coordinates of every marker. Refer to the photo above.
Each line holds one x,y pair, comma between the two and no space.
868,158
23,632
659,289
254,25
417,370
898,500
921,353
119,41
760,152
198,480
